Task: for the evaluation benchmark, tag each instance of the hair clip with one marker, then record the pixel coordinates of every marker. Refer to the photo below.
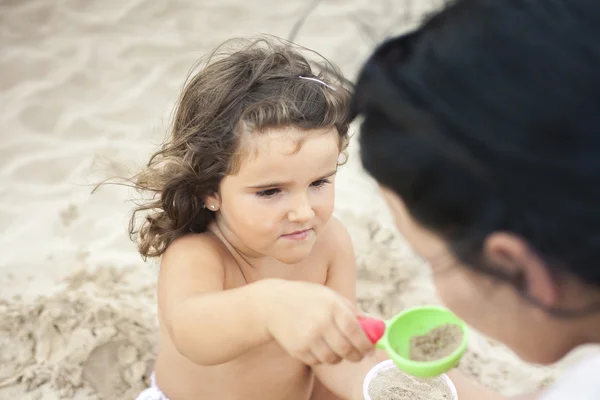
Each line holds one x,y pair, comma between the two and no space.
318,81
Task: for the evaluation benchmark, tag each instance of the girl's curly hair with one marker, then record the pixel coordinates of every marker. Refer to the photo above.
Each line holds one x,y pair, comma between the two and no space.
254,86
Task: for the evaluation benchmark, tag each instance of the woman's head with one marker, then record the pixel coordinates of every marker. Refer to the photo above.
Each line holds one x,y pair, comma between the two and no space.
482,128
256,137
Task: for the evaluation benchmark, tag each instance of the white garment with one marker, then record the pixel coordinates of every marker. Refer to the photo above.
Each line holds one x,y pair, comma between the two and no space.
582,382
153,392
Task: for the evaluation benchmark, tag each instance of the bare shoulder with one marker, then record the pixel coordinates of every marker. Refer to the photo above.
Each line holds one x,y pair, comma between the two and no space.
341,268
336,243
335,238
193,246
191,265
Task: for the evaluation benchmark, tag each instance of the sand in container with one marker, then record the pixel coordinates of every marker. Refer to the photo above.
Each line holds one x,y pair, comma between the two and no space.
438,343
386,382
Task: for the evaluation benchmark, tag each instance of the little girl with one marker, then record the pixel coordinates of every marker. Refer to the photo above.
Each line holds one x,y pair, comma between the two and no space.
256,288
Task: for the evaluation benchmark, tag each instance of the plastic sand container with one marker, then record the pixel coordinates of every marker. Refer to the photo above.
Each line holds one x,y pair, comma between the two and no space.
386,382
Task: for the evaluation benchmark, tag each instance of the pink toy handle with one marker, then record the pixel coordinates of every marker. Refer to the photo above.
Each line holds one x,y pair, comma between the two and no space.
374,328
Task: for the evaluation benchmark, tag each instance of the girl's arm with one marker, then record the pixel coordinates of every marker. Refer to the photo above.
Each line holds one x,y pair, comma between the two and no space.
344,379
210,325
204,321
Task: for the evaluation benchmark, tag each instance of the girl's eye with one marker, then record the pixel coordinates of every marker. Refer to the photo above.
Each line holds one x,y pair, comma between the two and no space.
320,183
268,193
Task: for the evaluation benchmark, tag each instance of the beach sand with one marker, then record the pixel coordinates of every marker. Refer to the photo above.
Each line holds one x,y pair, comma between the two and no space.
86,92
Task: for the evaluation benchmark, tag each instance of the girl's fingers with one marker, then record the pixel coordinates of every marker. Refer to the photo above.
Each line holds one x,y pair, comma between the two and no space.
348,325
324,353
309,358
342,346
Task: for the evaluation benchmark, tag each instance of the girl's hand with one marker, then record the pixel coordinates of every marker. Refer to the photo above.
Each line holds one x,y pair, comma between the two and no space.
313,323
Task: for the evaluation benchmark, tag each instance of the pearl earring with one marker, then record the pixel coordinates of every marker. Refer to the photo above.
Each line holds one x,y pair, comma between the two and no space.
212,206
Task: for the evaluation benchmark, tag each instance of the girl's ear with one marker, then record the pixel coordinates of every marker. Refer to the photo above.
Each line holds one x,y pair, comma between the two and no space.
213,202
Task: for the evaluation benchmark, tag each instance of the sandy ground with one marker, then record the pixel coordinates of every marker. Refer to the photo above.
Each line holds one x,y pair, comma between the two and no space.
86,89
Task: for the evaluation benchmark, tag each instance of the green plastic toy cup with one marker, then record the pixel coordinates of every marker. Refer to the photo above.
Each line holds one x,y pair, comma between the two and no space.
394,337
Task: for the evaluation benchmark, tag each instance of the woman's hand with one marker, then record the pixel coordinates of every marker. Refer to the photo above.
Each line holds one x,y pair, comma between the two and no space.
312,322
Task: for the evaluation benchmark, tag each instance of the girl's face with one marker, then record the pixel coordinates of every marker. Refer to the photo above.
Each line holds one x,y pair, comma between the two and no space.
282,195
494,308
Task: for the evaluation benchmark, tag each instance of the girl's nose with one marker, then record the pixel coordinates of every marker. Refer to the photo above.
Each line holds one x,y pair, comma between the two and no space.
301,211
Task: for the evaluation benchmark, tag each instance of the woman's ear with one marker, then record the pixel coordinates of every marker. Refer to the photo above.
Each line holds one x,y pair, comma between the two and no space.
213,202
515,257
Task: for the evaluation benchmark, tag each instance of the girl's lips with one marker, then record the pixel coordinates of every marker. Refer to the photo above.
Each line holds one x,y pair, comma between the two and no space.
299,235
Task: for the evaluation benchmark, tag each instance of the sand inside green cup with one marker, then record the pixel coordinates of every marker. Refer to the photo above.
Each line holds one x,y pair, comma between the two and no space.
437,343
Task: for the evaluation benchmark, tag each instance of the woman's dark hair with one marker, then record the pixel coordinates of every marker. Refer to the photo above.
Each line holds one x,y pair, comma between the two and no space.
487,118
